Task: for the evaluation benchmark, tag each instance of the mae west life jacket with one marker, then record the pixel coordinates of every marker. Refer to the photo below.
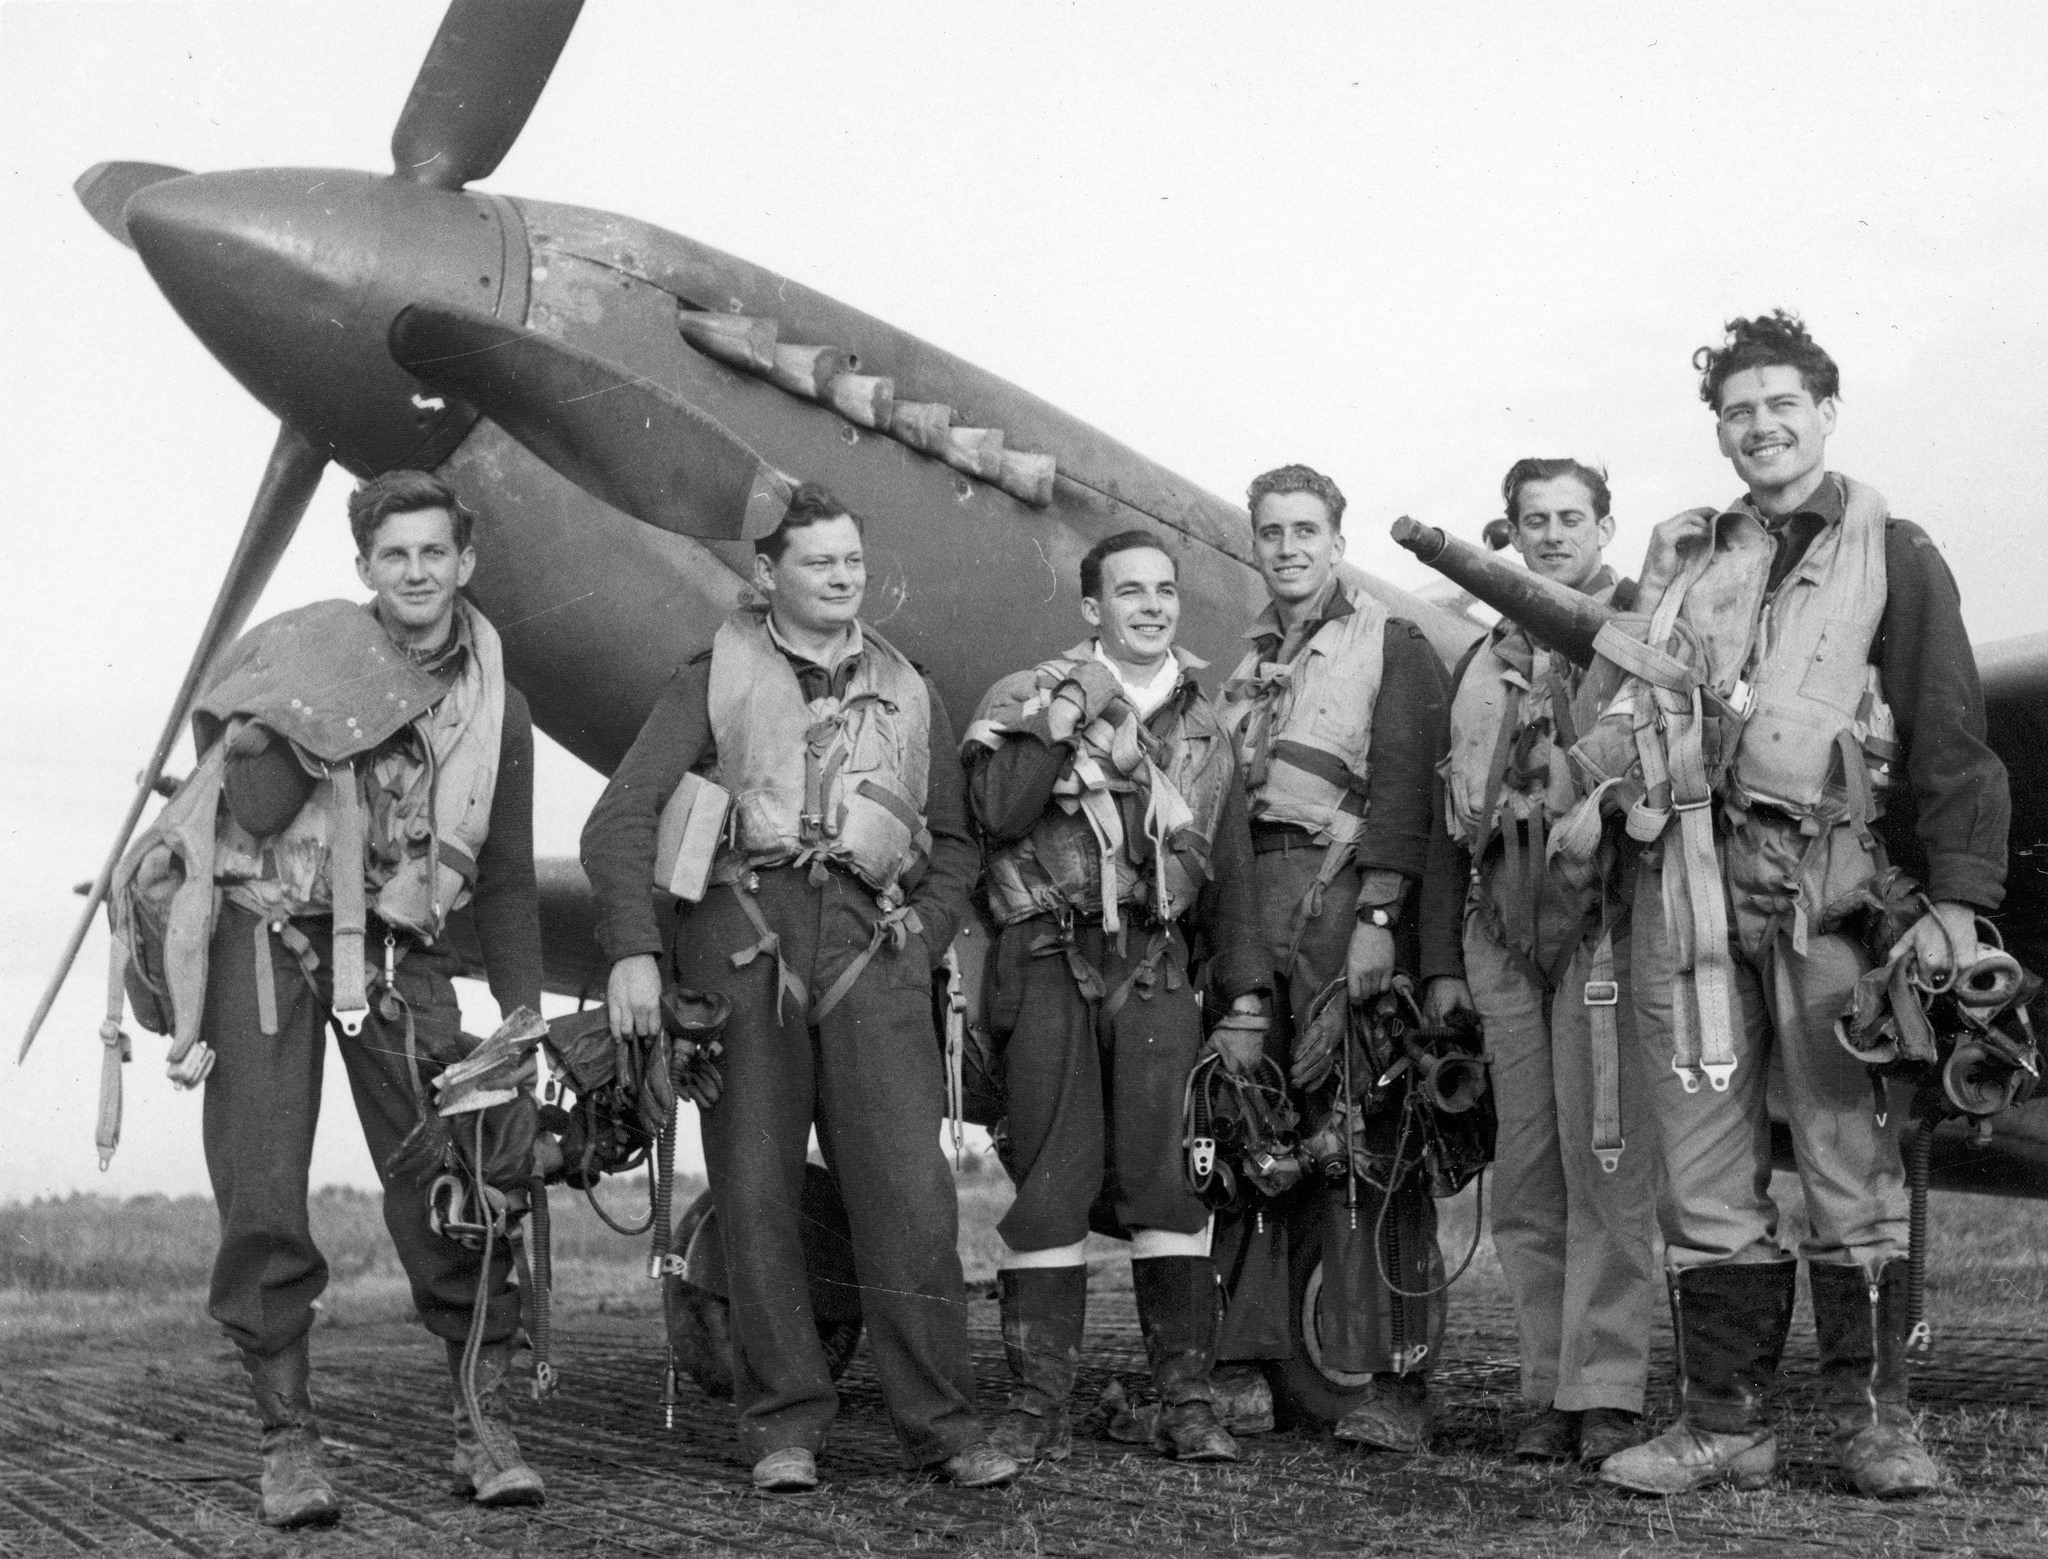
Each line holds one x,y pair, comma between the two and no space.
1082,856
1748,696
1506,765
833,779
425,811
1302,728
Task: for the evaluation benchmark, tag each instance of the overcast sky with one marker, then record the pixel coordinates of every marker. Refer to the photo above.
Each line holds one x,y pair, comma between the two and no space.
1406,244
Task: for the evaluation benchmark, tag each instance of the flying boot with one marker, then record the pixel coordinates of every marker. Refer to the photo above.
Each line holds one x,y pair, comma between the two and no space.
1859,1319
488,1467
296,1492
1394,1417
1177,1313
1044,1309
1730,1322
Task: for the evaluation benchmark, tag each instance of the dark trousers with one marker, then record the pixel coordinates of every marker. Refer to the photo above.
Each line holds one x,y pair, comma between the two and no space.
262,1102
1095,1094
871,1078
1283,879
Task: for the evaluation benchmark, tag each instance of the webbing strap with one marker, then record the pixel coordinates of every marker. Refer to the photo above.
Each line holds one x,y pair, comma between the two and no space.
266,980
1263,692
787,981
1652,664
1106,823
1144,973
1496,779
345,887
1338,856
1061,944
1564,730
1166,814
894,927
1602,996
1709,990
115,1049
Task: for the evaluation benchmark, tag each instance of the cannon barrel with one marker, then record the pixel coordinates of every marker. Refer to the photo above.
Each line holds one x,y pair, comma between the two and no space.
1561,618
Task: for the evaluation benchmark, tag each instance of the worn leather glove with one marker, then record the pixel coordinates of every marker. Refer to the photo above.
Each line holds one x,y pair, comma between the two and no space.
1318,1049
1240,1039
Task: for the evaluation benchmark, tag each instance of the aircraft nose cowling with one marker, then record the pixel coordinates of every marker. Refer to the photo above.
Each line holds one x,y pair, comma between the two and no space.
292,276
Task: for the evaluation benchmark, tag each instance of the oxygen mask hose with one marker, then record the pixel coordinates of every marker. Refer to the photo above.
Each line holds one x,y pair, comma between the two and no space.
1919,1160
664,1174
537,1245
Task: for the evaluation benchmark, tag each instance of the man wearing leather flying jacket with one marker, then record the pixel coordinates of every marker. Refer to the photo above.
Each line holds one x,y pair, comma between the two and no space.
1336,713
1106,789
1820,624
1544,937
837,885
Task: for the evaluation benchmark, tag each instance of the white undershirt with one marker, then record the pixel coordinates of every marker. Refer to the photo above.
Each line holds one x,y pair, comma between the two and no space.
1145,696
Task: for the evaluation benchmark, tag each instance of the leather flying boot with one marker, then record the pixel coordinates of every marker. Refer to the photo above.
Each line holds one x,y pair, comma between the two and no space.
296,1492
1244,1398
1395,1417
1177,1313
1552,1436
1607,1431
1859,1320
1729,1321
1044,1309
488,1466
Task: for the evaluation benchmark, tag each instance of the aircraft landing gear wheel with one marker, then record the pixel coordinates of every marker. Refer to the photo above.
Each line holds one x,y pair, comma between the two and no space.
1307,1392
695,1307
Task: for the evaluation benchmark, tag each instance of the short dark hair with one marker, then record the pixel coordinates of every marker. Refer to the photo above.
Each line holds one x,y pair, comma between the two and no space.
811,504
1537,469
1775,340
1109,546
403,492
1296,479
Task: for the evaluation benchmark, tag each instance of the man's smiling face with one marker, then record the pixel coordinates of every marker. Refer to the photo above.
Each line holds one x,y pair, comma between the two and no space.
1295,545
1775,434
1138,610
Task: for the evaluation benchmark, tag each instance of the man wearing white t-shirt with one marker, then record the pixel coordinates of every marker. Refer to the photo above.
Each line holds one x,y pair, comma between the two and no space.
1110,801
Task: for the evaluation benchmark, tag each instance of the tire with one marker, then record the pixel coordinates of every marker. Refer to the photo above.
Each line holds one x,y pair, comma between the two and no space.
1306,1393
695,1307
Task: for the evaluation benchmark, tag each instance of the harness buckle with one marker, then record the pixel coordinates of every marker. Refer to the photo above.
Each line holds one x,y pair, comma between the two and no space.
1692,806
351,1022
1688,1076
1202,1156
668,1266
1610,1158
1603,993
1718,1073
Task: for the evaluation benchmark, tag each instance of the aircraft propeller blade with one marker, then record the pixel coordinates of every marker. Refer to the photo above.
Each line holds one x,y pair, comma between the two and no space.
616,435
479,82
287,487
104,189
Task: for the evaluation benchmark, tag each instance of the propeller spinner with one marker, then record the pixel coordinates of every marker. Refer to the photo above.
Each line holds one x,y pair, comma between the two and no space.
293,278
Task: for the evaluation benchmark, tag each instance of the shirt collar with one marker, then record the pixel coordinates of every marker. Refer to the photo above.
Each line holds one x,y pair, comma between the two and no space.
1337,605
850,646
445,660
1827,506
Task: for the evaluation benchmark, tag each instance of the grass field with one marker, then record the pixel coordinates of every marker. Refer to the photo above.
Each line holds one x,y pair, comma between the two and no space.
103,1342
